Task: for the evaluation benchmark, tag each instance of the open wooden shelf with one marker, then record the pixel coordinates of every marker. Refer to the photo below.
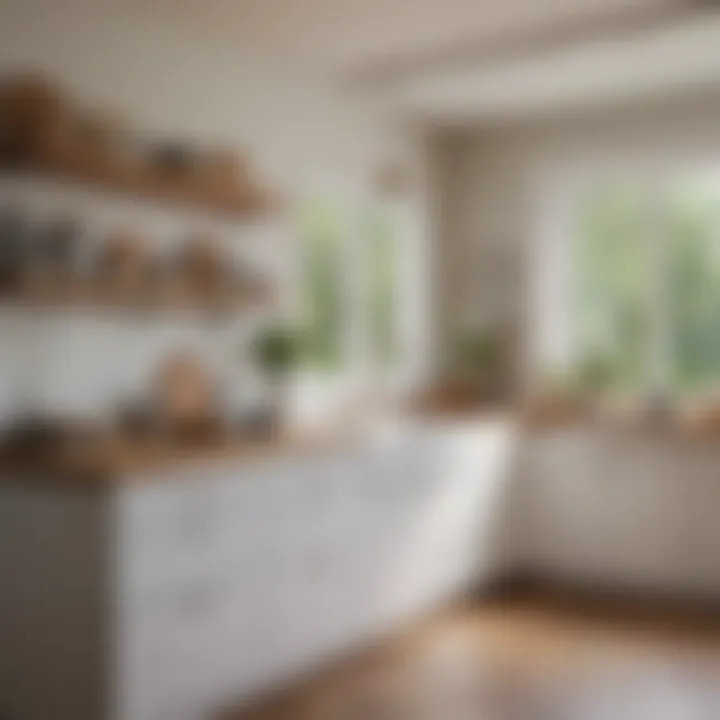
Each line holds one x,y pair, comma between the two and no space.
90,296
109,457
148,184
48,133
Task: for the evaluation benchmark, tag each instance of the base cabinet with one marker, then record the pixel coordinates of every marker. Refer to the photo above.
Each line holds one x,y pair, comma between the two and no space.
635,513
211,585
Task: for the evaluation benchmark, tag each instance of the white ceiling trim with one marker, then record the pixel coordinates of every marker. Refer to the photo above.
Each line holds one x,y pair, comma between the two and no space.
686,55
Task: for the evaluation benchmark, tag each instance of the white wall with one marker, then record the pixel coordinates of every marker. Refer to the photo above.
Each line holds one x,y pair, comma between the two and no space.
304,136
172,82
86,362
503,194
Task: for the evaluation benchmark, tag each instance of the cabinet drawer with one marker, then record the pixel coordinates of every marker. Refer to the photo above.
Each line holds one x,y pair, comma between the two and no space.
168,532
194,650
172,511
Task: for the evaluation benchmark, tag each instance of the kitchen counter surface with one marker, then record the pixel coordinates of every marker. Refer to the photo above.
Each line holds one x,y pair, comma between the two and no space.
126,460
111,460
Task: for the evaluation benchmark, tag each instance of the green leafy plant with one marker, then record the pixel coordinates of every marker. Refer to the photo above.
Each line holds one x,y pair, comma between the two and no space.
276,350
479,356
595,374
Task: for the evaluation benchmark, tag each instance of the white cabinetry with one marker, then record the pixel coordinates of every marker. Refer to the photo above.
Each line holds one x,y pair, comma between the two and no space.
220,581
632,511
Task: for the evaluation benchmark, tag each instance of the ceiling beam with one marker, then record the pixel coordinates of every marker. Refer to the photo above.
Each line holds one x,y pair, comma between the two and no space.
528,42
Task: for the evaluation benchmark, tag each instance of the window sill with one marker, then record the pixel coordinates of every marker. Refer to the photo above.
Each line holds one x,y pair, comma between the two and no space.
700,423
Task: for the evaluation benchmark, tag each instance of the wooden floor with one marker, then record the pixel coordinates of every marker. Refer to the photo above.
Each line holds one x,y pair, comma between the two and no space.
539,658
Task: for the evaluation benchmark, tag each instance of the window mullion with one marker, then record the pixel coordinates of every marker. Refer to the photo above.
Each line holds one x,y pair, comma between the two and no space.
659,361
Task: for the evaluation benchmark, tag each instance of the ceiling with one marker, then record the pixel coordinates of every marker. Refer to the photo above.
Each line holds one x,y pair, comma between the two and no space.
673,60
371,36
459,60
464,61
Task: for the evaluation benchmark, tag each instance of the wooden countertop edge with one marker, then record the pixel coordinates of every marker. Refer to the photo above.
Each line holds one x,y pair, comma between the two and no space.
129,466
628,432
134,464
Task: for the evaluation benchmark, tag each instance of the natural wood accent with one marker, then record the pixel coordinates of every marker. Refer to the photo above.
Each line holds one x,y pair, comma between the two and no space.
676,427
553,655
105,457
91,295
143,183
47,133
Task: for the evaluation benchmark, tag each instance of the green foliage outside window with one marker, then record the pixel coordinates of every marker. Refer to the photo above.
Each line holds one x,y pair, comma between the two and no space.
611,286
331,267
382,253
694,289
323,239
619,237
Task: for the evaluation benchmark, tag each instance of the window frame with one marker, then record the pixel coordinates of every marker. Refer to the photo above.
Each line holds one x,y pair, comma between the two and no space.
553,347
357,359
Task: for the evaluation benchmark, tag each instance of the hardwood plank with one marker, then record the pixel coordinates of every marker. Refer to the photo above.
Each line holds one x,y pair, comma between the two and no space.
544,656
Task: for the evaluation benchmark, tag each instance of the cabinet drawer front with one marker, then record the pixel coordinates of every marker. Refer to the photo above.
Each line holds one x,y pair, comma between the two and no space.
206,650
193,649
170,511
166,531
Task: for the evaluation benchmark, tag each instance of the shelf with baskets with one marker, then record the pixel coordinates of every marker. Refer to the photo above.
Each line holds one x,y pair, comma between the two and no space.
59,263
44,132
100,227
89,295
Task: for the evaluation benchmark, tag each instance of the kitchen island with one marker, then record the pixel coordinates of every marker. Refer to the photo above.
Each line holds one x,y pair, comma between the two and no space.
163,586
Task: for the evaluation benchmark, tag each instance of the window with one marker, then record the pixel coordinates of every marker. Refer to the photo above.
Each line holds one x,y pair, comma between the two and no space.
382,251
694,287
351,287
610,295
322,258
646,287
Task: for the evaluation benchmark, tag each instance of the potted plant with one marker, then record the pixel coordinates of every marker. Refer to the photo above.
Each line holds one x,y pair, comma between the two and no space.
275,350
480,360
